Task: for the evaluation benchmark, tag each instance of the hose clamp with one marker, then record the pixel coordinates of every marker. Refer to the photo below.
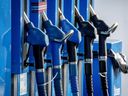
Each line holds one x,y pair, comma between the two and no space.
73,62
102,58
88,60
40,70
57,67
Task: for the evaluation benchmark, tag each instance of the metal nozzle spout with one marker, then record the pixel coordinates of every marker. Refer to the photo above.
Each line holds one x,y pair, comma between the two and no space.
44,16
26,18
92,10
77,13
62,17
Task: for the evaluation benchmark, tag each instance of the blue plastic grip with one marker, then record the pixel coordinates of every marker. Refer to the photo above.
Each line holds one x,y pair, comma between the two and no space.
36,36
73,69
55,33
56,55
40,81
52,31
66,27
73,76
58,82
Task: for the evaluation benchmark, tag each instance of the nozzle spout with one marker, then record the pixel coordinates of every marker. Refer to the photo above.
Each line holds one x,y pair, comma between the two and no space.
44,16
62,17
92,10
26,18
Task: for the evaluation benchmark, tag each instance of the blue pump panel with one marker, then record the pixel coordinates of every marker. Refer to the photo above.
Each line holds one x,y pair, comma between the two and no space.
17,37
69,13
84,11
17,50
35,10
5,47
114,76
52,11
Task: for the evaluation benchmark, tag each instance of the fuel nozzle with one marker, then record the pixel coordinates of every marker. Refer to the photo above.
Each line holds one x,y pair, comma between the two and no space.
88,30
67,26
85,27
78,16
119,61
71,50
39,41
57,37
35,35
55,34
102,27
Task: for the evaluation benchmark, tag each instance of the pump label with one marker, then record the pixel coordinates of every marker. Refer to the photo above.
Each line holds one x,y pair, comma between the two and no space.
23,84
38,7
116,91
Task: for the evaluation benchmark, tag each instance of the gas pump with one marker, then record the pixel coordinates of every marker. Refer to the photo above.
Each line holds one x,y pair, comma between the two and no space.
48,48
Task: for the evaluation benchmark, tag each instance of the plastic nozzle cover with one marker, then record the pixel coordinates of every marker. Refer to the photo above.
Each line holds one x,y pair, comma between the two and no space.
99,24
66,27
36,36
52,31
87,29
119,61
102,27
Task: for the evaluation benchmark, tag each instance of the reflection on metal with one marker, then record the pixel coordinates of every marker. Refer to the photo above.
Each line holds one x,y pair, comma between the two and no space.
32,83
49,73
80,76
15,85
65,78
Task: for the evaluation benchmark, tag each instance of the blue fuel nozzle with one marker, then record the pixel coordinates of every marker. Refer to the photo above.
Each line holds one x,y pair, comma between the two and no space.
56,37
55,34
39,40
35,36
52,31
67,26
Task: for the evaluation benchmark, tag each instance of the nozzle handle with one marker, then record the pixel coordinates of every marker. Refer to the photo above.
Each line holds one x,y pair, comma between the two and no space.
67,36
92,10
113,28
